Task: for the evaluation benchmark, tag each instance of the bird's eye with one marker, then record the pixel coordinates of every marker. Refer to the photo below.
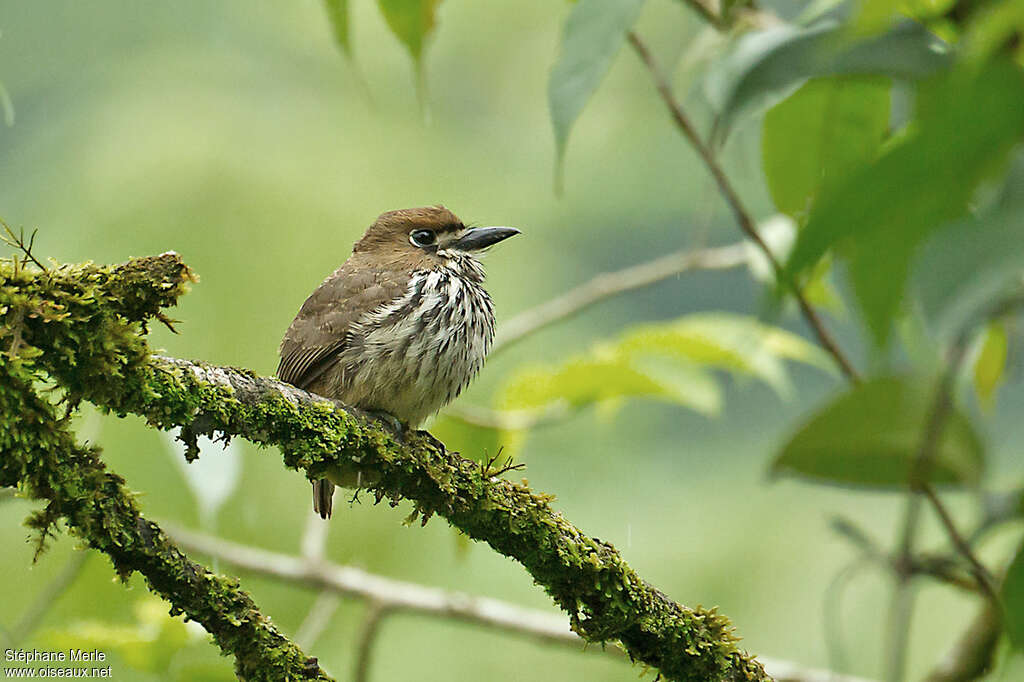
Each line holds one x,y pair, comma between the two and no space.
422,237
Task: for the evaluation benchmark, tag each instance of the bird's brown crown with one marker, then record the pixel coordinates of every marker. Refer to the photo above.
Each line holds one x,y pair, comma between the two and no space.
394,228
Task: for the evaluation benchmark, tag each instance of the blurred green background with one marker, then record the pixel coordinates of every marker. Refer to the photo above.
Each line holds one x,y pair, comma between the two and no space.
236,134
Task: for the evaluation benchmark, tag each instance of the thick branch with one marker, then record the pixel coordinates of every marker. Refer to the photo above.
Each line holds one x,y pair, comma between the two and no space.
86,321
100,339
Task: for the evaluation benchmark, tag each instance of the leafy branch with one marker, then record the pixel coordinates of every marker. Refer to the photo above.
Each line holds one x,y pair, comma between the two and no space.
83,326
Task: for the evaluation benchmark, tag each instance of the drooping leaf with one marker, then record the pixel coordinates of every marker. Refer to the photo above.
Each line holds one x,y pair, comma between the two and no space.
768,65
670,362
337,15
821,133
608,375
990,363
593,35
967,121
411,21
871,435
1012,598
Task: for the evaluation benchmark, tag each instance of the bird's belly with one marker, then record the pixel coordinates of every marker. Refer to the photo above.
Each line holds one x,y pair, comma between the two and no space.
415,363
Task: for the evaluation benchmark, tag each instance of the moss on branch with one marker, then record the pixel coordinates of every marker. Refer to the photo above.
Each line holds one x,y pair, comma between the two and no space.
97,352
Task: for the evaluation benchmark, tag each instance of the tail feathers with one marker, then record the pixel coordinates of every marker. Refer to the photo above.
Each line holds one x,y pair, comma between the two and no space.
323,497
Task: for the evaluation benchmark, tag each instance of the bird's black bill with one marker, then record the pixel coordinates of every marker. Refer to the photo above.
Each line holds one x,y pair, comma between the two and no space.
481,237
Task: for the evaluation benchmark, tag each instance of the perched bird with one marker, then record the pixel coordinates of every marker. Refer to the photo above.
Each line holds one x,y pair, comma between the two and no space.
402,326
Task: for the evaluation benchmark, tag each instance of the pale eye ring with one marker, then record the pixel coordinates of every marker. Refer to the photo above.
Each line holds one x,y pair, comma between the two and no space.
422,238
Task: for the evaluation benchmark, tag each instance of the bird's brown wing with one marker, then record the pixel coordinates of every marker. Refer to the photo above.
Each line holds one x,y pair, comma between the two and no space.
320,331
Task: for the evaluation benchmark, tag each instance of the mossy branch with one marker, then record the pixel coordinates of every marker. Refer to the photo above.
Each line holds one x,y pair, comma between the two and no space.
66,318
96,351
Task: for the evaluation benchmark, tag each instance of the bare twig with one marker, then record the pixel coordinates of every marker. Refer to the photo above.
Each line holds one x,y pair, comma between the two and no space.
742,215
609,284
387,596
317,618
940,411
391,594
978,570
971,655
375,613
18,242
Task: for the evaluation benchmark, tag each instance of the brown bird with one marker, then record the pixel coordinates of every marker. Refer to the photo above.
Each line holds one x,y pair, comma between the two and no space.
402,326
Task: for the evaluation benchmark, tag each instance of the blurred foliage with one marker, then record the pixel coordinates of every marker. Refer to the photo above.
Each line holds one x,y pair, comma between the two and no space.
155,643
593,35
871,436
668,361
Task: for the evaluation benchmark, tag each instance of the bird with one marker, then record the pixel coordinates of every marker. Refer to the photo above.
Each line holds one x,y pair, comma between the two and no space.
401,327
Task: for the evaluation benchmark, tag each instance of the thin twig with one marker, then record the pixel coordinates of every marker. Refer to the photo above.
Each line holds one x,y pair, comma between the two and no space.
941,408
742,215
392,594
317,618
375,613
18,242
971,656
978,569
609,284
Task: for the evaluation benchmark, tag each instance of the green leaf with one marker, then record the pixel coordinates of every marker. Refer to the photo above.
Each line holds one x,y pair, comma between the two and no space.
1013,600
967,122
337,14
768,65
608,376
411,21
593,35
668,362
820,134
870,436
990,363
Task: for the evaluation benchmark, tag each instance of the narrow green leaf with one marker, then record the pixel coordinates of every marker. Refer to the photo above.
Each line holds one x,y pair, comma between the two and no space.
593,35
870,436
411,21
768,65
964,128
337,14
1013,600
819,135
990,363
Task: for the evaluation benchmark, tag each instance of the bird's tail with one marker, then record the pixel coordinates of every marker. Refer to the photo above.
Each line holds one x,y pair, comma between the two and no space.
323,497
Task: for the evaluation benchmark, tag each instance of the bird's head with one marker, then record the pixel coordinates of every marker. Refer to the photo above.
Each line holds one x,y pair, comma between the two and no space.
426,237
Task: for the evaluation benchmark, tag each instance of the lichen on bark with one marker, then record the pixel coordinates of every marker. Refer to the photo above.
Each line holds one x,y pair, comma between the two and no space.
84,327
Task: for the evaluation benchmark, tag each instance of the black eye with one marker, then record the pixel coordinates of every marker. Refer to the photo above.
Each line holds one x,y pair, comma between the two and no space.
422,237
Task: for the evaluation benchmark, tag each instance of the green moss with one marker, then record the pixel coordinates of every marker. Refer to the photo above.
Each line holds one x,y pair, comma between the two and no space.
84,325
